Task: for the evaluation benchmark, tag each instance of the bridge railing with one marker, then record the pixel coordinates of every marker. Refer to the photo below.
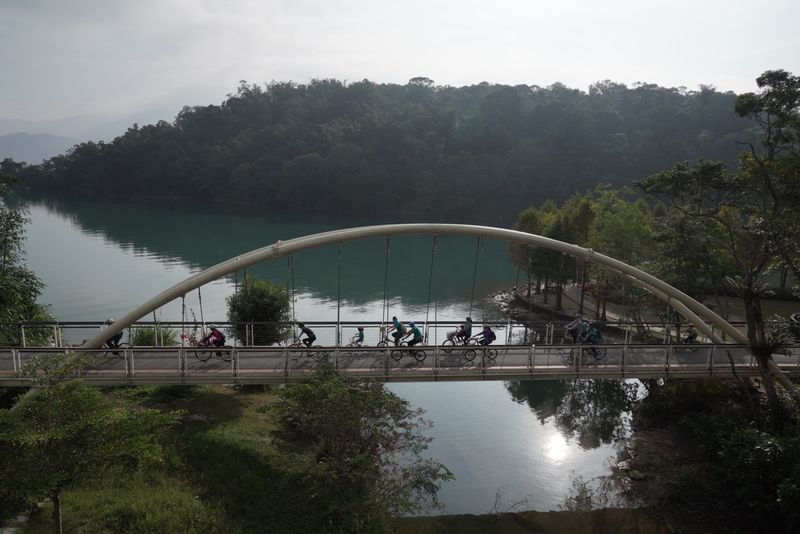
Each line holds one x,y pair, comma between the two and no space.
331,333
283,364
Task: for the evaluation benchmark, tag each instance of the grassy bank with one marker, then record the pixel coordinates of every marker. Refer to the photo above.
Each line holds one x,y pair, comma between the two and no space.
221,473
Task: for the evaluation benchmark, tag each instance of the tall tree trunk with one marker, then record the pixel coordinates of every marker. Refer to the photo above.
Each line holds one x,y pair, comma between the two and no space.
56,498
546,286
529,284
757,338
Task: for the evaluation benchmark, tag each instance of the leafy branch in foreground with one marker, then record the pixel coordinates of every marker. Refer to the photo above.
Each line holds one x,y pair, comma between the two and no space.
363,449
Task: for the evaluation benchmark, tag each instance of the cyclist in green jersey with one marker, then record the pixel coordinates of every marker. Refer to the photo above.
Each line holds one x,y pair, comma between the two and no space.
399,331
358,337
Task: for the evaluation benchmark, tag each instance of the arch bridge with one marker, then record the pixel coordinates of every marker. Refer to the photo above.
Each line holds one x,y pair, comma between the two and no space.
723,354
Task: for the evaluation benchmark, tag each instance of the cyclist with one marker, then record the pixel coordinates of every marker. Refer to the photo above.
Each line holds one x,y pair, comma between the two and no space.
487,336
358,337
310,336
414,332
794,325
214,338
466,329
577,328
113,341
691,334
593,333
459,333
398,331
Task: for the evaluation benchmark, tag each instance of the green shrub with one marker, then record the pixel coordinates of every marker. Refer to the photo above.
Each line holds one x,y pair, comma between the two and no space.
146,336
259,301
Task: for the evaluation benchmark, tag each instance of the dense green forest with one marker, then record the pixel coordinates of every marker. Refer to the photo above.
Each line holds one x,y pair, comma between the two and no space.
414,151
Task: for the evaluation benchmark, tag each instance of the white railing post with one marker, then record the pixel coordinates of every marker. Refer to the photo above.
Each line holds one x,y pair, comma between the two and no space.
531,359
711,354
22,329
14,360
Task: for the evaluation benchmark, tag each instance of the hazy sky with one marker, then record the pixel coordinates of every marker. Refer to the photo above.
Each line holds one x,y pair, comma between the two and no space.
62,58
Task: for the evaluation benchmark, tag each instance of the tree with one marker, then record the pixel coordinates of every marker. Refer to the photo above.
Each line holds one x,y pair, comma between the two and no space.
67,434
259,301
360,448
756,208
19,286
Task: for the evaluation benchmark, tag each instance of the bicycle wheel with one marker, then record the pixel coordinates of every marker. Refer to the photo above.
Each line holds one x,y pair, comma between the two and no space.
202,355
469,354
315,355
226,353
491,354
294,351
598,353
448,345
118,352
420,355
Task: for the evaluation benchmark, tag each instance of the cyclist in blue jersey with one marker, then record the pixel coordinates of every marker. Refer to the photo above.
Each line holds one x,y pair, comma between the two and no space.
416,335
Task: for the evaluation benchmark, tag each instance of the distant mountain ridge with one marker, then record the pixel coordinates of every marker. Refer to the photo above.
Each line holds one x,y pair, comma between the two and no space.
87,127
33,148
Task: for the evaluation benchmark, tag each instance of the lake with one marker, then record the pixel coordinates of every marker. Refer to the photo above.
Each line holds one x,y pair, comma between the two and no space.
504,442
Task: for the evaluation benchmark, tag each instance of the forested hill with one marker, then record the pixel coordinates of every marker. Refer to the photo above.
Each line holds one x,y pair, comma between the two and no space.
414,151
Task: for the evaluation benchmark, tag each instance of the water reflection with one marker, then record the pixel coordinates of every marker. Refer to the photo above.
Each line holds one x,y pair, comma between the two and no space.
593,412
199,237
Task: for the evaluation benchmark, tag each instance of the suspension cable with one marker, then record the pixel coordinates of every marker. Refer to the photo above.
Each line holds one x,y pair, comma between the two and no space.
339,296
291,286
430,286
183,320
385,312
474,276
202,320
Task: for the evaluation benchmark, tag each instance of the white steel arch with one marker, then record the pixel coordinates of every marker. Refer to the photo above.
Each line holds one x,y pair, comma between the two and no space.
689,307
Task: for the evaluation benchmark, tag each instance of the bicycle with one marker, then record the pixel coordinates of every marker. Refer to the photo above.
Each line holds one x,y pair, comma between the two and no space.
598,353
116,352
686,346
384,343
489,353
203,352
453,341
298,350
417,354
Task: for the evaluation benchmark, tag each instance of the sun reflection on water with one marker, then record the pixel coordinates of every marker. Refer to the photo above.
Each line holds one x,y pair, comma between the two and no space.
557,447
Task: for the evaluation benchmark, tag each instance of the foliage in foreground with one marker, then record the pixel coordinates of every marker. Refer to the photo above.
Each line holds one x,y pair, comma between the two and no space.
19,286
361,446
742,472
68,434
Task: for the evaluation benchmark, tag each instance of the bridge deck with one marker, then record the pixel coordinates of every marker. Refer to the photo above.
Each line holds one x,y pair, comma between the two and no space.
271,365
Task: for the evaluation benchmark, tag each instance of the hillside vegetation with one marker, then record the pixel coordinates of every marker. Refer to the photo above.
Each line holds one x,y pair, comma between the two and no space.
478,153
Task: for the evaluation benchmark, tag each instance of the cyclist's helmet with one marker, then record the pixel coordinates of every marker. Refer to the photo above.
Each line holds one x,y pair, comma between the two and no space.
469,319
110,320
410,323
301,325
360,327
394,318
212,327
